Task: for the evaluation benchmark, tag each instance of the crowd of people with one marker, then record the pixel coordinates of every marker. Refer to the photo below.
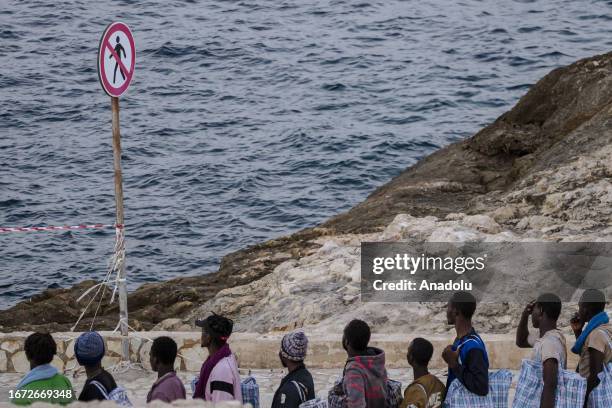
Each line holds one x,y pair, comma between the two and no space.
364,381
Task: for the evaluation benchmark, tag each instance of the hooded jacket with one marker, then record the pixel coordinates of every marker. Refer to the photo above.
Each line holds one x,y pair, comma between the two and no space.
44,380
365,380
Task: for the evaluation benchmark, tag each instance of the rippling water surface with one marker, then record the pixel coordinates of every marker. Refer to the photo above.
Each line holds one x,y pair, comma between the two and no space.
246,119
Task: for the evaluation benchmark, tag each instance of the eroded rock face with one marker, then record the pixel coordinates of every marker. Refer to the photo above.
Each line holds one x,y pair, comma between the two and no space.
321,291
541,171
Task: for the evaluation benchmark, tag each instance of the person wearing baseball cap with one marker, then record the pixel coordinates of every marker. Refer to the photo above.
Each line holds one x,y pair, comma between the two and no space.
219,378
297,386
89,350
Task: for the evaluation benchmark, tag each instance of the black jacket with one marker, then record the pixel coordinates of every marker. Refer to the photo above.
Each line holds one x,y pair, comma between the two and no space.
296,388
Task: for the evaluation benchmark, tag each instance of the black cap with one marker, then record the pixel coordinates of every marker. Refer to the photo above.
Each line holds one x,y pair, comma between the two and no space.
216,326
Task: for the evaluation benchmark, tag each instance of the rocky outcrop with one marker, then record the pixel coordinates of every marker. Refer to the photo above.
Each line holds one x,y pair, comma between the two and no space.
541,171
322,291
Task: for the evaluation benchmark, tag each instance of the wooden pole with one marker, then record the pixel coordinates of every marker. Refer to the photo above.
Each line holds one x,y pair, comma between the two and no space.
123,312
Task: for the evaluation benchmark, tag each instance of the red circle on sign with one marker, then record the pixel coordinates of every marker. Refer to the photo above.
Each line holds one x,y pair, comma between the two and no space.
106,44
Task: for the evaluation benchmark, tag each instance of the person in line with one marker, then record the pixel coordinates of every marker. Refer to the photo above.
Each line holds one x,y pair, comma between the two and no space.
219,378
592,341
426,390
168,386
89,350
365,377
549,348
297,386
42,379
467,357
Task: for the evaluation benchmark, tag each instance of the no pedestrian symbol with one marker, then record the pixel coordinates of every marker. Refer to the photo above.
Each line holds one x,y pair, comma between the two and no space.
116,59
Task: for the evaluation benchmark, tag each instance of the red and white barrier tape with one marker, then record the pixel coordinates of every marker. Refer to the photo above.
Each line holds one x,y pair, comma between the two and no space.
62,228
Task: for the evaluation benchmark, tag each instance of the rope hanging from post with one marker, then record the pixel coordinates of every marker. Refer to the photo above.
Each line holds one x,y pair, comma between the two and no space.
114,266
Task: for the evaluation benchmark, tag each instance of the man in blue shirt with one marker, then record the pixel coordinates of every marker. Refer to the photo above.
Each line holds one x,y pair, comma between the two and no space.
467,357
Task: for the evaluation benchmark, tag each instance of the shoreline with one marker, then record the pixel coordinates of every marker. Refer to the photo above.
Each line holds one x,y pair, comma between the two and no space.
541,171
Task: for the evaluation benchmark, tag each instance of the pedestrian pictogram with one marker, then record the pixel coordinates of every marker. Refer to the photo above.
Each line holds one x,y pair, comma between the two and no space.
116,59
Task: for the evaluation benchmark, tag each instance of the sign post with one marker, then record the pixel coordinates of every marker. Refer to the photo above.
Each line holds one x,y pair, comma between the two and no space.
116,61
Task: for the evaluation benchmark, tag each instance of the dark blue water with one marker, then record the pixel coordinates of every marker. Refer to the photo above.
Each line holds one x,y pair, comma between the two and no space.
246,120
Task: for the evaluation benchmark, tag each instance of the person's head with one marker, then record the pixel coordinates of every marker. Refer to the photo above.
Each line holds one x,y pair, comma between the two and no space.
591,302
216,330
89,349
419,352
163,353
461,305
293,348
39,349
117,39
356,337
546,307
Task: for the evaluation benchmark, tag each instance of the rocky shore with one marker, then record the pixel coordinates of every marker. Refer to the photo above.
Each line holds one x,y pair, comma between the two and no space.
542,171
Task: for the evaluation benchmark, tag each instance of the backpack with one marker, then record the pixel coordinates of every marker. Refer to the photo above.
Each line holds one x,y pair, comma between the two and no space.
481,346
301,390
118,395
250,391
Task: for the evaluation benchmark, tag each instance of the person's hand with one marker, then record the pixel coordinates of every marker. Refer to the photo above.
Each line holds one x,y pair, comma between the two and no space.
576,324
529,308
451,357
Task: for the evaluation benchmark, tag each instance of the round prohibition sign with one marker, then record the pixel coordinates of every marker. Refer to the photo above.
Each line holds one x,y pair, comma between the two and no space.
116,59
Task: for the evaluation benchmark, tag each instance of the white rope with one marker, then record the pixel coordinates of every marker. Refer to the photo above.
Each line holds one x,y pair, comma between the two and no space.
97,308
89,290
119,259
119,325
114,264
